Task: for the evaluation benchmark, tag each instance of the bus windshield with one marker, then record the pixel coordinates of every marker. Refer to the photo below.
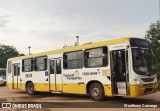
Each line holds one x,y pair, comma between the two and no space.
143,62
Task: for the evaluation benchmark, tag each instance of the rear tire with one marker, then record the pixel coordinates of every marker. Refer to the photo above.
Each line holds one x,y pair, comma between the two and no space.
96,92
30,89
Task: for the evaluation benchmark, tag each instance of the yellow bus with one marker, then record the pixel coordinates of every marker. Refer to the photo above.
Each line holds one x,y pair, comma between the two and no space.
118,67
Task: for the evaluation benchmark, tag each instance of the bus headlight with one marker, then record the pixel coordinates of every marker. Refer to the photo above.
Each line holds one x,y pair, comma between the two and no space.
155,79
138,82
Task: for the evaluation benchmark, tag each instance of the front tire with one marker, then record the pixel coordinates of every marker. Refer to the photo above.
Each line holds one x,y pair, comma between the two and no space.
96,92
30,88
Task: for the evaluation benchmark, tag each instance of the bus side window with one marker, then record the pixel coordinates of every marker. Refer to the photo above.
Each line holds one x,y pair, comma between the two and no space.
51,66
40,63
18,73
105,54
32,64
15,70
58,66
65,65
45,61
73,60
9,67
86,54
27,65
96,57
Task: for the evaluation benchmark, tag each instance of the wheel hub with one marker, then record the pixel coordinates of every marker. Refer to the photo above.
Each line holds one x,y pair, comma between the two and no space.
30,88
95,92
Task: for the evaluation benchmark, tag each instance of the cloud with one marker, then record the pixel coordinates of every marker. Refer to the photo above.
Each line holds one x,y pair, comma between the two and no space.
49,24
3,21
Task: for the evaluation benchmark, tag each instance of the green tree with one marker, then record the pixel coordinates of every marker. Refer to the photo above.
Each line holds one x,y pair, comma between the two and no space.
153,36
7,52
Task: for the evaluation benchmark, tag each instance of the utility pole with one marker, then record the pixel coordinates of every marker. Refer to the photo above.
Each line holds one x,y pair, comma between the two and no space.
77,40
29,50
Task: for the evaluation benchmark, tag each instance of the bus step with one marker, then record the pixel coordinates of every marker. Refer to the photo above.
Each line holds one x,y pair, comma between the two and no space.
56,92
121,95
121,90
121,84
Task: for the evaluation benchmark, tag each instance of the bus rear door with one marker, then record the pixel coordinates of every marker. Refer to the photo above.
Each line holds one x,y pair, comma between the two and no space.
16,75
55,75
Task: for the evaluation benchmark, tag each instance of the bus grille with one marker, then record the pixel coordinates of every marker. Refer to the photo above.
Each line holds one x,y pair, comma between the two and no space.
147,85
147,79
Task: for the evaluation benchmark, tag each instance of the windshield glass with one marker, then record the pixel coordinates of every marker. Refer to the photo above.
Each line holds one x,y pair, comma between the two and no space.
143,61
2,73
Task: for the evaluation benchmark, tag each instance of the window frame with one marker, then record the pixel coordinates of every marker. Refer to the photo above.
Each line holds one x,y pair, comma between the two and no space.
107,55
73,59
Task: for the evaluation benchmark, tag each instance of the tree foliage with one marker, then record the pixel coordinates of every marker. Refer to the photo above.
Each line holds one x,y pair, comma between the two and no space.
153,36
7,52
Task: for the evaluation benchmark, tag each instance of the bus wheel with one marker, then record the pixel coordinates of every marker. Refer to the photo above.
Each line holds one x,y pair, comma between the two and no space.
96,92
30,88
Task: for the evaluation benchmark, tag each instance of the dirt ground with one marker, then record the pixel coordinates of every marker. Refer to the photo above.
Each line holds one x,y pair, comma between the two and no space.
7,95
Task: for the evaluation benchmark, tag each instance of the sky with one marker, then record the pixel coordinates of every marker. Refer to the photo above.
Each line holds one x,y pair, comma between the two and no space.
50,24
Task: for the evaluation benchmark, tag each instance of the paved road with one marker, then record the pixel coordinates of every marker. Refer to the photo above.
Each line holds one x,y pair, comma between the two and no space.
7,95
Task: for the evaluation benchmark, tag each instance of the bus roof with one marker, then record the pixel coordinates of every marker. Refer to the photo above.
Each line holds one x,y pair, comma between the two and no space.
80,47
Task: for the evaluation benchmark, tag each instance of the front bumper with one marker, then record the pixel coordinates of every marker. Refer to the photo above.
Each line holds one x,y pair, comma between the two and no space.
140,90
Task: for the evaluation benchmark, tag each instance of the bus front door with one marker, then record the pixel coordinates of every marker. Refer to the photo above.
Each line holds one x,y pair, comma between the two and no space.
119,72
55,75
16,76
